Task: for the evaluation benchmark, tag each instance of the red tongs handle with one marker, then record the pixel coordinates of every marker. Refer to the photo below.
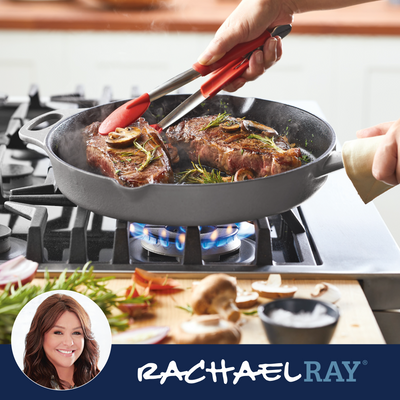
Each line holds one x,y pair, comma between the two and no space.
224,76
240,50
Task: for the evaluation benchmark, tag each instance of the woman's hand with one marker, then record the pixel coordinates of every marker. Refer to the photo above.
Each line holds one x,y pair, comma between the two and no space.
259,61
248,21
386,165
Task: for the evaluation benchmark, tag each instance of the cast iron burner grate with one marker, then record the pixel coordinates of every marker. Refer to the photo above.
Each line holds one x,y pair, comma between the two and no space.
280,239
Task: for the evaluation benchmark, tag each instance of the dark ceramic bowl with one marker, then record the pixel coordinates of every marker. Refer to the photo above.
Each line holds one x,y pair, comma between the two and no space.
279,333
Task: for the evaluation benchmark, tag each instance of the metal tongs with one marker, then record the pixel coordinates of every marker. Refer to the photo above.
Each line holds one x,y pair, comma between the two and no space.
226,70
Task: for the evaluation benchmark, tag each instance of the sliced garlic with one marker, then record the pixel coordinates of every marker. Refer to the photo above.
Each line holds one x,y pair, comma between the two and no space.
326,292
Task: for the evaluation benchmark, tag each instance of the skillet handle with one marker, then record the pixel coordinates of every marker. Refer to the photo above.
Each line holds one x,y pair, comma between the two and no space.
333,163
29,134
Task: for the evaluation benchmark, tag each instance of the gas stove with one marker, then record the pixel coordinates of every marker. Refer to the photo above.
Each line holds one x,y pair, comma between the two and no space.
331,235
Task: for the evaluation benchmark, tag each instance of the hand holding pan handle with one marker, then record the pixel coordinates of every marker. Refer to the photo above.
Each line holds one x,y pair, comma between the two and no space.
32,133
357,157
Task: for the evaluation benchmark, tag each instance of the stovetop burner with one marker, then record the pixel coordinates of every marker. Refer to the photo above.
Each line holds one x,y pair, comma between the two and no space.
10,247
169,241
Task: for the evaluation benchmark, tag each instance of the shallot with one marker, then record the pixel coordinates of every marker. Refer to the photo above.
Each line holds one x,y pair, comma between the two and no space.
17,271
147,335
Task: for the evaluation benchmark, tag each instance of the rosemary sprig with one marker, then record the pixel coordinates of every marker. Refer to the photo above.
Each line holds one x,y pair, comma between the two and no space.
305,158
268,141
13,300
150,155
187,308
217,121
128,153
252,312
199,175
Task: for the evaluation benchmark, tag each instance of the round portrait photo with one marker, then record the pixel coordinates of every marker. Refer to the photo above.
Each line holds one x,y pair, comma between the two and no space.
61,340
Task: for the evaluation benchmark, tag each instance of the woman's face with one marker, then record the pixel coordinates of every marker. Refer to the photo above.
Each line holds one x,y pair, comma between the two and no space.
64,342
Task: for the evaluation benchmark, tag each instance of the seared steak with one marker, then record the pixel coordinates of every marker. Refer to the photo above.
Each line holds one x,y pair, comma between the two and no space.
246,145
130,166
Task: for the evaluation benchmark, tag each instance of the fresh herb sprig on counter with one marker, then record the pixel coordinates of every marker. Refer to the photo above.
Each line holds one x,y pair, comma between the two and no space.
188,308
13,300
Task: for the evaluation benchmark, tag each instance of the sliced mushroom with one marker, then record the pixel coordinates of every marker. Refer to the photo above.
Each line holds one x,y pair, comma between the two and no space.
256,127
326,292
216,294
230,126
134,310
208,329
243,174
234,138
273,291
274,280
245,299
123,137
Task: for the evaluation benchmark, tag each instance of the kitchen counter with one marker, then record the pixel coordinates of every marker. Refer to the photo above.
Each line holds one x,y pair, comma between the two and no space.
376,18
356,325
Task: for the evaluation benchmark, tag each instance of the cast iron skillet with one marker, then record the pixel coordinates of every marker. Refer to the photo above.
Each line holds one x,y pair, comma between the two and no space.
188,205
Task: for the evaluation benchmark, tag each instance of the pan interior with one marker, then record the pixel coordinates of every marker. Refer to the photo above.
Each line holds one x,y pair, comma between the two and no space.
314,136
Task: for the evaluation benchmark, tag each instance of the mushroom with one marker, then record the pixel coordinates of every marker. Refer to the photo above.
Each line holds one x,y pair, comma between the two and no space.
273,289
208,329
216,294
234,138
256,127
123,137
134,310
230,126
327,292
243,174
245,299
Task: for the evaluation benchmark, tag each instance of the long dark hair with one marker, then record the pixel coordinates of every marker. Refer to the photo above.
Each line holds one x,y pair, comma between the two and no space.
36,364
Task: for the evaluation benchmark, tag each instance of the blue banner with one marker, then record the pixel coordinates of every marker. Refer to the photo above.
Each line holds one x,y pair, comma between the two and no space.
211,371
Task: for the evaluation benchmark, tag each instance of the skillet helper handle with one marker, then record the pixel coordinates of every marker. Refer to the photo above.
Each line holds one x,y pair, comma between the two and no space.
240,50
223,77
29,134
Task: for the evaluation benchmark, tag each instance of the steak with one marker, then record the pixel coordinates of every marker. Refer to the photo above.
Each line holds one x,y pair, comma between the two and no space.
145,161
248,145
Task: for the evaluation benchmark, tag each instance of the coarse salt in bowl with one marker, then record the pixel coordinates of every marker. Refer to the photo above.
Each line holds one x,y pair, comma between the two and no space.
299,321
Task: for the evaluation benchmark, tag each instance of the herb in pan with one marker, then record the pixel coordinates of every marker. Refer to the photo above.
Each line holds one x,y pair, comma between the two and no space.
217,121
150,155
201,176
268,141
305,158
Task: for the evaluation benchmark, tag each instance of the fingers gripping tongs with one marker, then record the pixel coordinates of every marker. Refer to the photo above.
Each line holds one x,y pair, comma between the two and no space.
226,70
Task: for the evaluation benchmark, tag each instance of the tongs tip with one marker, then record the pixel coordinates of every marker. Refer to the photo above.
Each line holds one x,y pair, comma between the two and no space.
125,115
